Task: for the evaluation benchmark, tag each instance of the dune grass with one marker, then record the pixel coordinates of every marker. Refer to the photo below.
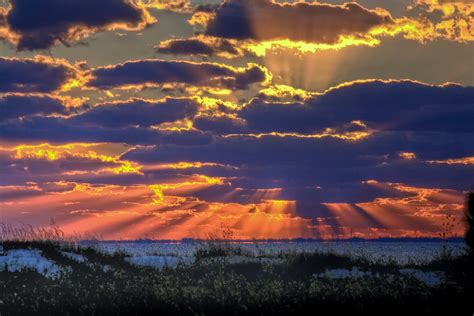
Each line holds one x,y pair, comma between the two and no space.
214,287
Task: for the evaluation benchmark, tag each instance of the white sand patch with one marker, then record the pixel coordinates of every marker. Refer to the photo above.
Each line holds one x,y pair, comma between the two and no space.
355,273
242,260
158,262
74,256
22,259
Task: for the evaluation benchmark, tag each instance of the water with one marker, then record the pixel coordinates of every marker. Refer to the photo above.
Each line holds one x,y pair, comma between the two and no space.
401,252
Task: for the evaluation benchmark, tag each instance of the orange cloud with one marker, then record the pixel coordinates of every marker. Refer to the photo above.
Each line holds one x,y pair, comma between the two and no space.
169,211
407,155
197,181
154,211
426,211
181,6
87,151
447,7
457,20
330,133
456,161
186,165
281,92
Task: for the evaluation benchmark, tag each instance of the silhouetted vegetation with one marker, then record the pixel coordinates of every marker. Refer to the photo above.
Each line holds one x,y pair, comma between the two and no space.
470,220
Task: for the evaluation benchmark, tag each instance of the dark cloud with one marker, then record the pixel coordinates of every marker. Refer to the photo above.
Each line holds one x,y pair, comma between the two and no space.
310,171
221,124
296,152
19,171
40,74
157,72
310,22
315,171
185,46
16,106
385,105
432,122
137,112
135,121
57,129
42,24
200,46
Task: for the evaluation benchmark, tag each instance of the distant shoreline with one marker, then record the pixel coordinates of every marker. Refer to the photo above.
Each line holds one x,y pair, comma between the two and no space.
295,240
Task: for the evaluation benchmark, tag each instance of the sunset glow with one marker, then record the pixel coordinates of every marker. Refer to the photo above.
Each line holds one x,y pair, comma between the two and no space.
277,119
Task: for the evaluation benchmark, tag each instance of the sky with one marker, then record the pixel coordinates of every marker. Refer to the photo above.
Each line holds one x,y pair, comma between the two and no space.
269,119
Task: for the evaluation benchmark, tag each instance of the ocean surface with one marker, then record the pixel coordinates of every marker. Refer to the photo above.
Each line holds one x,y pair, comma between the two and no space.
402,252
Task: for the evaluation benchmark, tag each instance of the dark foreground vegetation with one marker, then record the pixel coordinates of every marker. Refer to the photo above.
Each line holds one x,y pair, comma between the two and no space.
214,286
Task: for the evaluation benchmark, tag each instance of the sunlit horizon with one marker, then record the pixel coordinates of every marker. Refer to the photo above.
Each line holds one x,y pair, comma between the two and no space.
276,119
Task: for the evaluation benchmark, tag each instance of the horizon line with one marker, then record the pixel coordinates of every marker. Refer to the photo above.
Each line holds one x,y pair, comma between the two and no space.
353,239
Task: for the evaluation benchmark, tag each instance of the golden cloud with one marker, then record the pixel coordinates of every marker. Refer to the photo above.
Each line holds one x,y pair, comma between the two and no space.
86,151
269,25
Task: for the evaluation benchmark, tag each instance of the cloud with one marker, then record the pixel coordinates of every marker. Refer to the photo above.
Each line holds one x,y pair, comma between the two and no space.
60,129
354,112
378,151
457,17
156,72
455,161
423,211
14,106
137,112
38,74
57,21
46,162
5,33
448,8
319,161
222,124
381,105
201,46
382,130
166,210
181,6
372,157
264,20
262,25
312,172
